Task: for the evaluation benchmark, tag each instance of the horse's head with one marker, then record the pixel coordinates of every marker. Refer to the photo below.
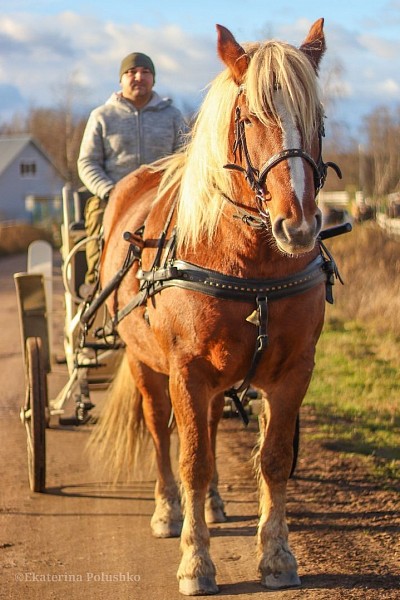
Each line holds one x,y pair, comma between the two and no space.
276,130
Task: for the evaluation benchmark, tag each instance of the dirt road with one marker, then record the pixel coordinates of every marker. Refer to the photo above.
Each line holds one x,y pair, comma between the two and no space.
85,540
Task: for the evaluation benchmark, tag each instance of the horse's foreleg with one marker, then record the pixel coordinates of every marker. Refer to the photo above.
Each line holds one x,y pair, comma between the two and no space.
277,565
196,573
214,509
167,517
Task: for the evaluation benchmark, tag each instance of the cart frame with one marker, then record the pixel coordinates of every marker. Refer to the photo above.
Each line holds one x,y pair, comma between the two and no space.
90,356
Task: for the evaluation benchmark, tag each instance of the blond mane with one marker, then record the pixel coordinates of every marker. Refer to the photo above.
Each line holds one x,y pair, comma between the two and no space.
198,171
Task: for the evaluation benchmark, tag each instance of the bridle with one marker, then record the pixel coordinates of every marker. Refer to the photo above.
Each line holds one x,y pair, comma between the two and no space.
257,178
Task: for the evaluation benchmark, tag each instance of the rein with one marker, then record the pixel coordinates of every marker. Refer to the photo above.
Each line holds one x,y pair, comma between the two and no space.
186,275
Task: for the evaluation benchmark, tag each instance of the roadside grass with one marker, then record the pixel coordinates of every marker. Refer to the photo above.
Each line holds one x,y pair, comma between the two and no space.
369,263
355,393
16,237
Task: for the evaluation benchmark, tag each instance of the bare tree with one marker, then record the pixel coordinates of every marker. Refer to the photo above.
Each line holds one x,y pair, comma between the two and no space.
58,130
68,97
382,128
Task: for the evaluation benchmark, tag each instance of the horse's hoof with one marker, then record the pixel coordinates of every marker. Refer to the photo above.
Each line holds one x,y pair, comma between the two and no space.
166,530
199,586
281,580
215,515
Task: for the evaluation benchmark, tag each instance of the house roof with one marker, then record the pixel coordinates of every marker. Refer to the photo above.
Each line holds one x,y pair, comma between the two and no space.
12,145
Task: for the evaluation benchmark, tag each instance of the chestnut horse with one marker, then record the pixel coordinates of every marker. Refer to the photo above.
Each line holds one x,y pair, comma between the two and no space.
230,260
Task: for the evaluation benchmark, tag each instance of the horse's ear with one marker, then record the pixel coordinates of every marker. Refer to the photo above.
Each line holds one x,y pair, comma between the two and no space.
314,45
232,54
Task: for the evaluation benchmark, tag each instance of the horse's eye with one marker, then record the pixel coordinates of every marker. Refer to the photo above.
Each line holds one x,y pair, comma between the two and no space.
247,122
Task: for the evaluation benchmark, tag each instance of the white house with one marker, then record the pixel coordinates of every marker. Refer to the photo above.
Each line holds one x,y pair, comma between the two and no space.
30,184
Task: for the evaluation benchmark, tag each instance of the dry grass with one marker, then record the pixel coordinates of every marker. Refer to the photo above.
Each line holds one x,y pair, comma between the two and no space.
15,238
369,263
355,386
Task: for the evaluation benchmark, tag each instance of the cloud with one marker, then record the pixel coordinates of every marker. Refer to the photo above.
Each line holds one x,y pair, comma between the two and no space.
382,49
19,36
390,87
40,55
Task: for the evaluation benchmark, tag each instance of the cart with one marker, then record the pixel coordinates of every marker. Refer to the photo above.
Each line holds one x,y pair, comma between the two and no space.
90,355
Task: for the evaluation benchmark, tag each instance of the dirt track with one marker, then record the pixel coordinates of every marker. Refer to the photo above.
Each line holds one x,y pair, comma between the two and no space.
84,540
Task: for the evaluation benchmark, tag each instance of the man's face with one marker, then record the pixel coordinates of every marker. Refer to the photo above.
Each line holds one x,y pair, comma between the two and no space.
137,85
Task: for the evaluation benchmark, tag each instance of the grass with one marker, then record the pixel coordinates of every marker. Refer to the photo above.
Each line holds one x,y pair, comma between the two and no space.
355,389
16,237
355,393
369,263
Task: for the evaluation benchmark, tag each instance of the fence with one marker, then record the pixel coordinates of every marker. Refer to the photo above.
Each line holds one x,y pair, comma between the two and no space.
390,226
339,199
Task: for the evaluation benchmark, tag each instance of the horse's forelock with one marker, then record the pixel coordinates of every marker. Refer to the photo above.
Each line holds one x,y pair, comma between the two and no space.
277,64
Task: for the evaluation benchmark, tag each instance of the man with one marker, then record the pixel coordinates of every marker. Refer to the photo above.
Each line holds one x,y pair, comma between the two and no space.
135,126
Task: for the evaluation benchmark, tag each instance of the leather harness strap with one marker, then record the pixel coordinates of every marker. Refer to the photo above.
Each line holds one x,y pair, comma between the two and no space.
180,273
238,393
256,178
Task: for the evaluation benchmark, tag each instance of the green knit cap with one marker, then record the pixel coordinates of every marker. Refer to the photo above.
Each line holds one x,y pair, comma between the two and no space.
136,59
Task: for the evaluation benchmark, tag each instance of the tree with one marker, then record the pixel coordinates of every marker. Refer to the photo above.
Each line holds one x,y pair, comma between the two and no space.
382,150
59,134
58,130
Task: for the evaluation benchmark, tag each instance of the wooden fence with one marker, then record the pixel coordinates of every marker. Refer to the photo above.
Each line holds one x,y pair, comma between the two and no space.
390,226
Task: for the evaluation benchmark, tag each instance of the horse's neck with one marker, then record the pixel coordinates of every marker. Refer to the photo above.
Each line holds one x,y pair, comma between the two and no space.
237,248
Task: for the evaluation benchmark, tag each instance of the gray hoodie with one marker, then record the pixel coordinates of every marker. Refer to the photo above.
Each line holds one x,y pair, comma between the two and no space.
119,138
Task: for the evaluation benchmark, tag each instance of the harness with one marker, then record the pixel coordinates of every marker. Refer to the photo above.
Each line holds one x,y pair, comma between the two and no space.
182,274
168,271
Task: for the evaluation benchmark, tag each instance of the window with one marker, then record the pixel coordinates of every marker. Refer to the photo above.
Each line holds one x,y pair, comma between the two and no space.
27,169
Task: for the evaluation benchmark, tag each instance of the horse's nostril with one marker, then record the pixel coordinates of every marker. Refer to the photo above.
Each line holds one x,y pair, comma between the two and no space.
278,229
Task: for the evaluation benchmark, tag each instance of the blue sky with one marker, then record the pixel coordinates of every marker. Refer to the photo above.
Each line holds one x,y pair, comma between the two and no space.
53,49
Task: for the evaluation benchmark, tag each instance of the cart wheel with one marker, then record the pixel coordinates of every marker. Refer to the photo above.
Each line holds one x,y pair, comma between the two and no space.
34,414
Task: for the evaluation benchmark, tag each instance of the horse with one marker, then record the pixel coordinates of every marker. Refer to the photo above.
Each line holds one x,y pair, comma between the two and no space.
228,289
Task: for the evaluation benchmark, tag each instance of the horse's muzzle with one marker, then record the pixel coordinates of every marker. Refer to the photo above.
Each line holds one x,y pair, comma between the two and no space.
294,238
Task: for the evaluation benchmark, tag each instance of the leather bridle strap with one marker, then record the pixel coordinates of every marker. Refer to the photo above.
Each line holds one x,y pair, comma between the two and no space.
285,155
257,179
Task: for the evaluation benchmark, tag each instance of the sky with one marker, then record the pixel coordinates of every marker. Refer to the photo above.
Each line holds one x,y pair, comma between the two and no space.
58,51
